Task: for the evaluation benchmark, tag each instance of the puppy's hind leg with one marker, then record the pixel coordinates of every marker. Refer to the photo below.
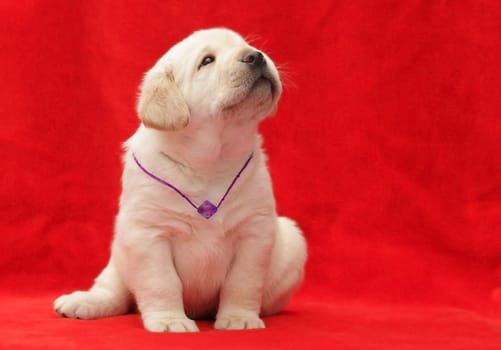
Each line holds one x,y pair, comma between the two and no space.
107,297
286,269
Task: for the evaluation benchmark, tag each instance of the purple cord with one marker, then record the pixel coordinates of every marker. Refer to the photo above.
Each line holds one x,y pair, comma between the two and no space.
206,209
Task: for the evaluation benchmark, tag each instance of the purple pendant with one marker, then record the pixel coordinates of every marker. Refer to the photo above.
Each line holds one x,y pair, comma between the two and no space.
207,209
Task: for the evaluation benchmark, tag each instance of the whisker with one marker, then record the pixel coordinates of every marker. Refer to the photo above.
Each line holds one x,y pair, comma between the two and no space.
286,76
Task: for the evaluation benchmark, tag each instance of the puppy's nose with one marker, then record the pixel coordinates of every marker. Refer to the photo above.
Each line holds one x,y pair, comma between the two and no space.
254,59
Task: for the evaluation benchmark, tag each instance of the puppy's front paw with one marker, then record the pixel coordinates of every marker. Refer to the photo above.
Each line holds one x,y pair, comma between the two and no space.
160,322
235,322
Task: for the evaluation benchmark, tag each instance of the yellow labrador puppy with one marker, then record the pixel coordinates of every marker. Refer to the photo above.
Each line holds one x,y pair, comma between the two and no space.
197,234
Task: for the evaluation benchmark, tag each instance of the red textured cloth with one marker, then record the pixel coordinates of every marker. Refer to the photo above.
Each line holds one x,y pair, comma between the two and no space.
386,149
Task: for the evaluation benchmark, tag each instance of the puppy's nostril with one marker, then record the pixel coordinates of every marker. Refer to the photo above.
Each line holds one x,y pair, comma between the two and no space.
254,58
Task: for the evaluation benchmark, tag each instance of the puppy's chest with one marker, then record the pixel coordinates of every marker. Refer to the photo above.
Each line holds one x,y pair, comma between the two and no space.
202,260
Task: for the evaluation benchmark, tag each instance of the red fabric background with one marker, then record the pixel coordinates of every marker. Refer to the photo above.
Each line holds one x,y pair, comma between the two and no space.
386,149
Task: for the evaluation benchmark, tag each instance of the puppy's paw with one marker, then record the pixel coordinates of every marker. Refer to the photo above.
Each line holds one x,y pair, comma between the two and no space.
235,322
88,305
160,322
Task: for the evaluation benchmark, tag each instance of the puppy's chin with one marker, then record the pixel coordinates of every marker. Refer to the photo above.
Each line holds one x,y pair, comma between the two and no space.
249,109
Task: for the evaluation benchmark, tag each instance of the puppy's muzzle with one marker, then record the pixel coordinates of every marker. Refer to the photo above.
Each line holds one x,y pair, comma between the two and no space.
256,61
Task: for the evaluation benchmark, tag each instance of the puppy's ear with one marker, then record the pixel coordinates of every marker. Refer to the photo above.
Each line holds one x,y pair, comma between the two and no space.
161,104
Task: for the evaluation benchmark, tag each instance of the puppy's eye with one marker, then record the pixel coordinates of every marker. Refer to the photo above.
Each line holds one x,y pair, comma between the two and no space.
206,61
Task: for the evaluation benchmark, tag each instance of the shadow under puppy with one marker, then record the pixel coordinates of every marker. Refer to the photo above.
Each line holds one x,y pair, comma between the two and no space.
197,233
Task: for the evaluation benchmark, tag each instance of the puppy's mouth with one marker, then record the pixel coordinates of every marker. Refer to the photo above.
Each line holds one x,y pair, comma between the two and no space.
266,79
262,89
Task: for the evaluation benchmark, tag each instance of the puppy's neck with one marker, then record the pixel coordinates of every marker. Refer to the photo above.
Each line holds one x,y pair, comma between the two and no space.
209,147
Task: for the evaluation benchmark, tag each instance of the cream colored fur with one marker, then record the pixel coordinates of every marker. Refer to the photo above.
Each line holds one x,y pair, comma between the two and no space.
199,125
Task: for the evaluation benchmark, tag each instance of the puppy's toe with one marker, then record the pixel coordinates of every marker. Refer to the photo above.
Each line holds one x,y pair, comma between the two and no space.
164,323
239,322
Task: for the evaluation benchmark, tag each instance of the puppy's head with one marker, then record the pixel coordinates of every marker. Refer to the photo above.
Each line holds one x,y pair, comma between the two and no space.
211,74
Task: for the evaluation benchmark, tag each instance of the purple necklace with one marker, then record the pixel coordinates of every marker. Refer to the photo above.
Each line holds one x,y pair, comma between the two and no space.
206,209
